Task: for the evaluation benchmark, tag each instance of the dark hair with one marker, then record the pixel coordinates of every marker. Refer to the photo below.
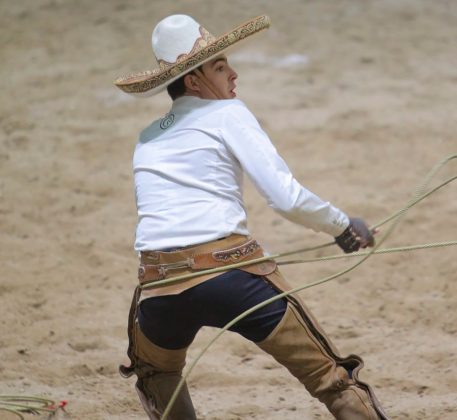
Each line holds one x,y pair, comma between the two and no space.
178,88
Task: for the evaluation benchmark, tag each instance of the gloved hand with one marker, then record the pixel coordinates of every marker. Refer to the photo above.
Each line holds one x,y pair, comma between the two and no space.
357,235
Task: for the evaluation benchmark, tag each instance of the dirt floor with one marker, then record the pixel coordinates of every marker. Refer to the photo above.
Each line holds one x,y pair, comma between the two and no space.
359,96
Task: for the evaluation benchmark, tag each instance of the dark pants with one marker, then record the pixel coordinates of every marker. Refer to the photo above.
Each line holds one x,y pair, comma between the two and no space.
172,321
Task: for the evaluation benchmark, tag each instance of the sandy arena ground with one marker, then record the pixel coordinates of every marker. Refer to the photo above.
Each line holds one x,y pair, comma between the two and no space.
360,98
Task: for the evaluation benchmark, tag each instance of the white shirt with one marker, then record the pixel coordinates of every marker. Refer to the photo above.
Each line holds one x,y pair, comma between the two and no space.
188,169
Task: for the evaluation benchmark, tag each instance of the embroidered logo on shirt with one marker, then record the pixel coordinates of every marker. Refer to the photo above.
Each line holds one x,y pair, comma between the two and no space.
167,121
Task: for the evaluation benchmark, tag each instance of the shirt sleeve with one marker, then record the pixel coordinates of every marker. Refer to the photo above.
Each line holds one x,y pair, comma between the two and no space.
271,176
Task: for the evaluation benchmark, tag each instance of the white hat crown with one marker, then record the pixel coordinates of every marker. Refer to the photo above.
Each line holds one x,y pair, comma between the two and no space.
176,37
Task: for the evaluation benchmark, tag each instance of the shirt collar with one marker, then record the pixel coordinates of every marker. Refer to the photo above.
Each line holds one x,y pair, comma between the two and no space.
189,102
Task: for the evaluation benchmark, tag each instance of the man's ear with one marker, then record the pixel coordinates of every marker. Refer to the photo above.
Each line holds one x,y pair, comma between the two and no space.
191,83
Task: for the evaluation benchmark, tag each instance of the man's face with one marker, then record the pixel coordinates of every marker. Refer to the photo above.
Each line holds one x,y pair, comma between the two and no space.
222,76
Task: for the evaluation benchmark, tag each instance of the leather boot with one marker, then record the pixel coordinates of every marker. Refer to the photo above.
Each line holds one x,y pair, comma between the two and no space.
159,372
299,345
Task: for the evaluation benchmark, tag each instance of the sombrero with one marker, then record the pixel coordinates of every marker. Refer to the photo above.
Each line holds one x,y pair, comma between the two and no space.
180,44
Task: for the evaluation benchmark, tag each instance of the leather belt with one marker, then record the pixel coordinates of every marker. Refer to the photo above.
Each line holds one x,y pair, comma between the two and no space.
194,259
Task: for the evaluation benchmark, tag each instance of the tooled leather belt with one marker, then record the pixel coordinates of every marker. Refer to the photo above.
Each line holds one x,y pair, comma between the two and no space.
195,261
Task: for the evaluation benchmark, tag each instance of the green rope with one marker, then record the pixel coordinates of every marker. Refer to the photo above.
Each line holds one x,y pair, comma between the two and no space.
17,405
415,201
377,252
418,196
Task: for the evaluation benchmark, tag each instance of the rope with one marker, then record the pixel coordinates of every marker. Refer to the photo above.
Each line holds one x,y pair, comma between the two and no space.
417,196
377,252
17,405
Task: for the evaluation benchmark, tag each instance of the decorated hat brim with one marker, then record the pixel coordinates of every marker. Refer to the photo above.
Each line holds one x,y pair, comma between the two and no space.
149,82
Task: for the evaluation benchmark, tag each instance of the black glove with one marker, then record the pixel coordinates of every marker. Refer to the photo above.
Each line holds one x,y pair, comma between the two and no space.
355,236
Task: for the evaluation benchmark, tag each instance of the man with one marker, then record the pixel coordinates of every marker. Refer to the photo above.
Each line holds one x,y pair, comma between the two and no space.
188,170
